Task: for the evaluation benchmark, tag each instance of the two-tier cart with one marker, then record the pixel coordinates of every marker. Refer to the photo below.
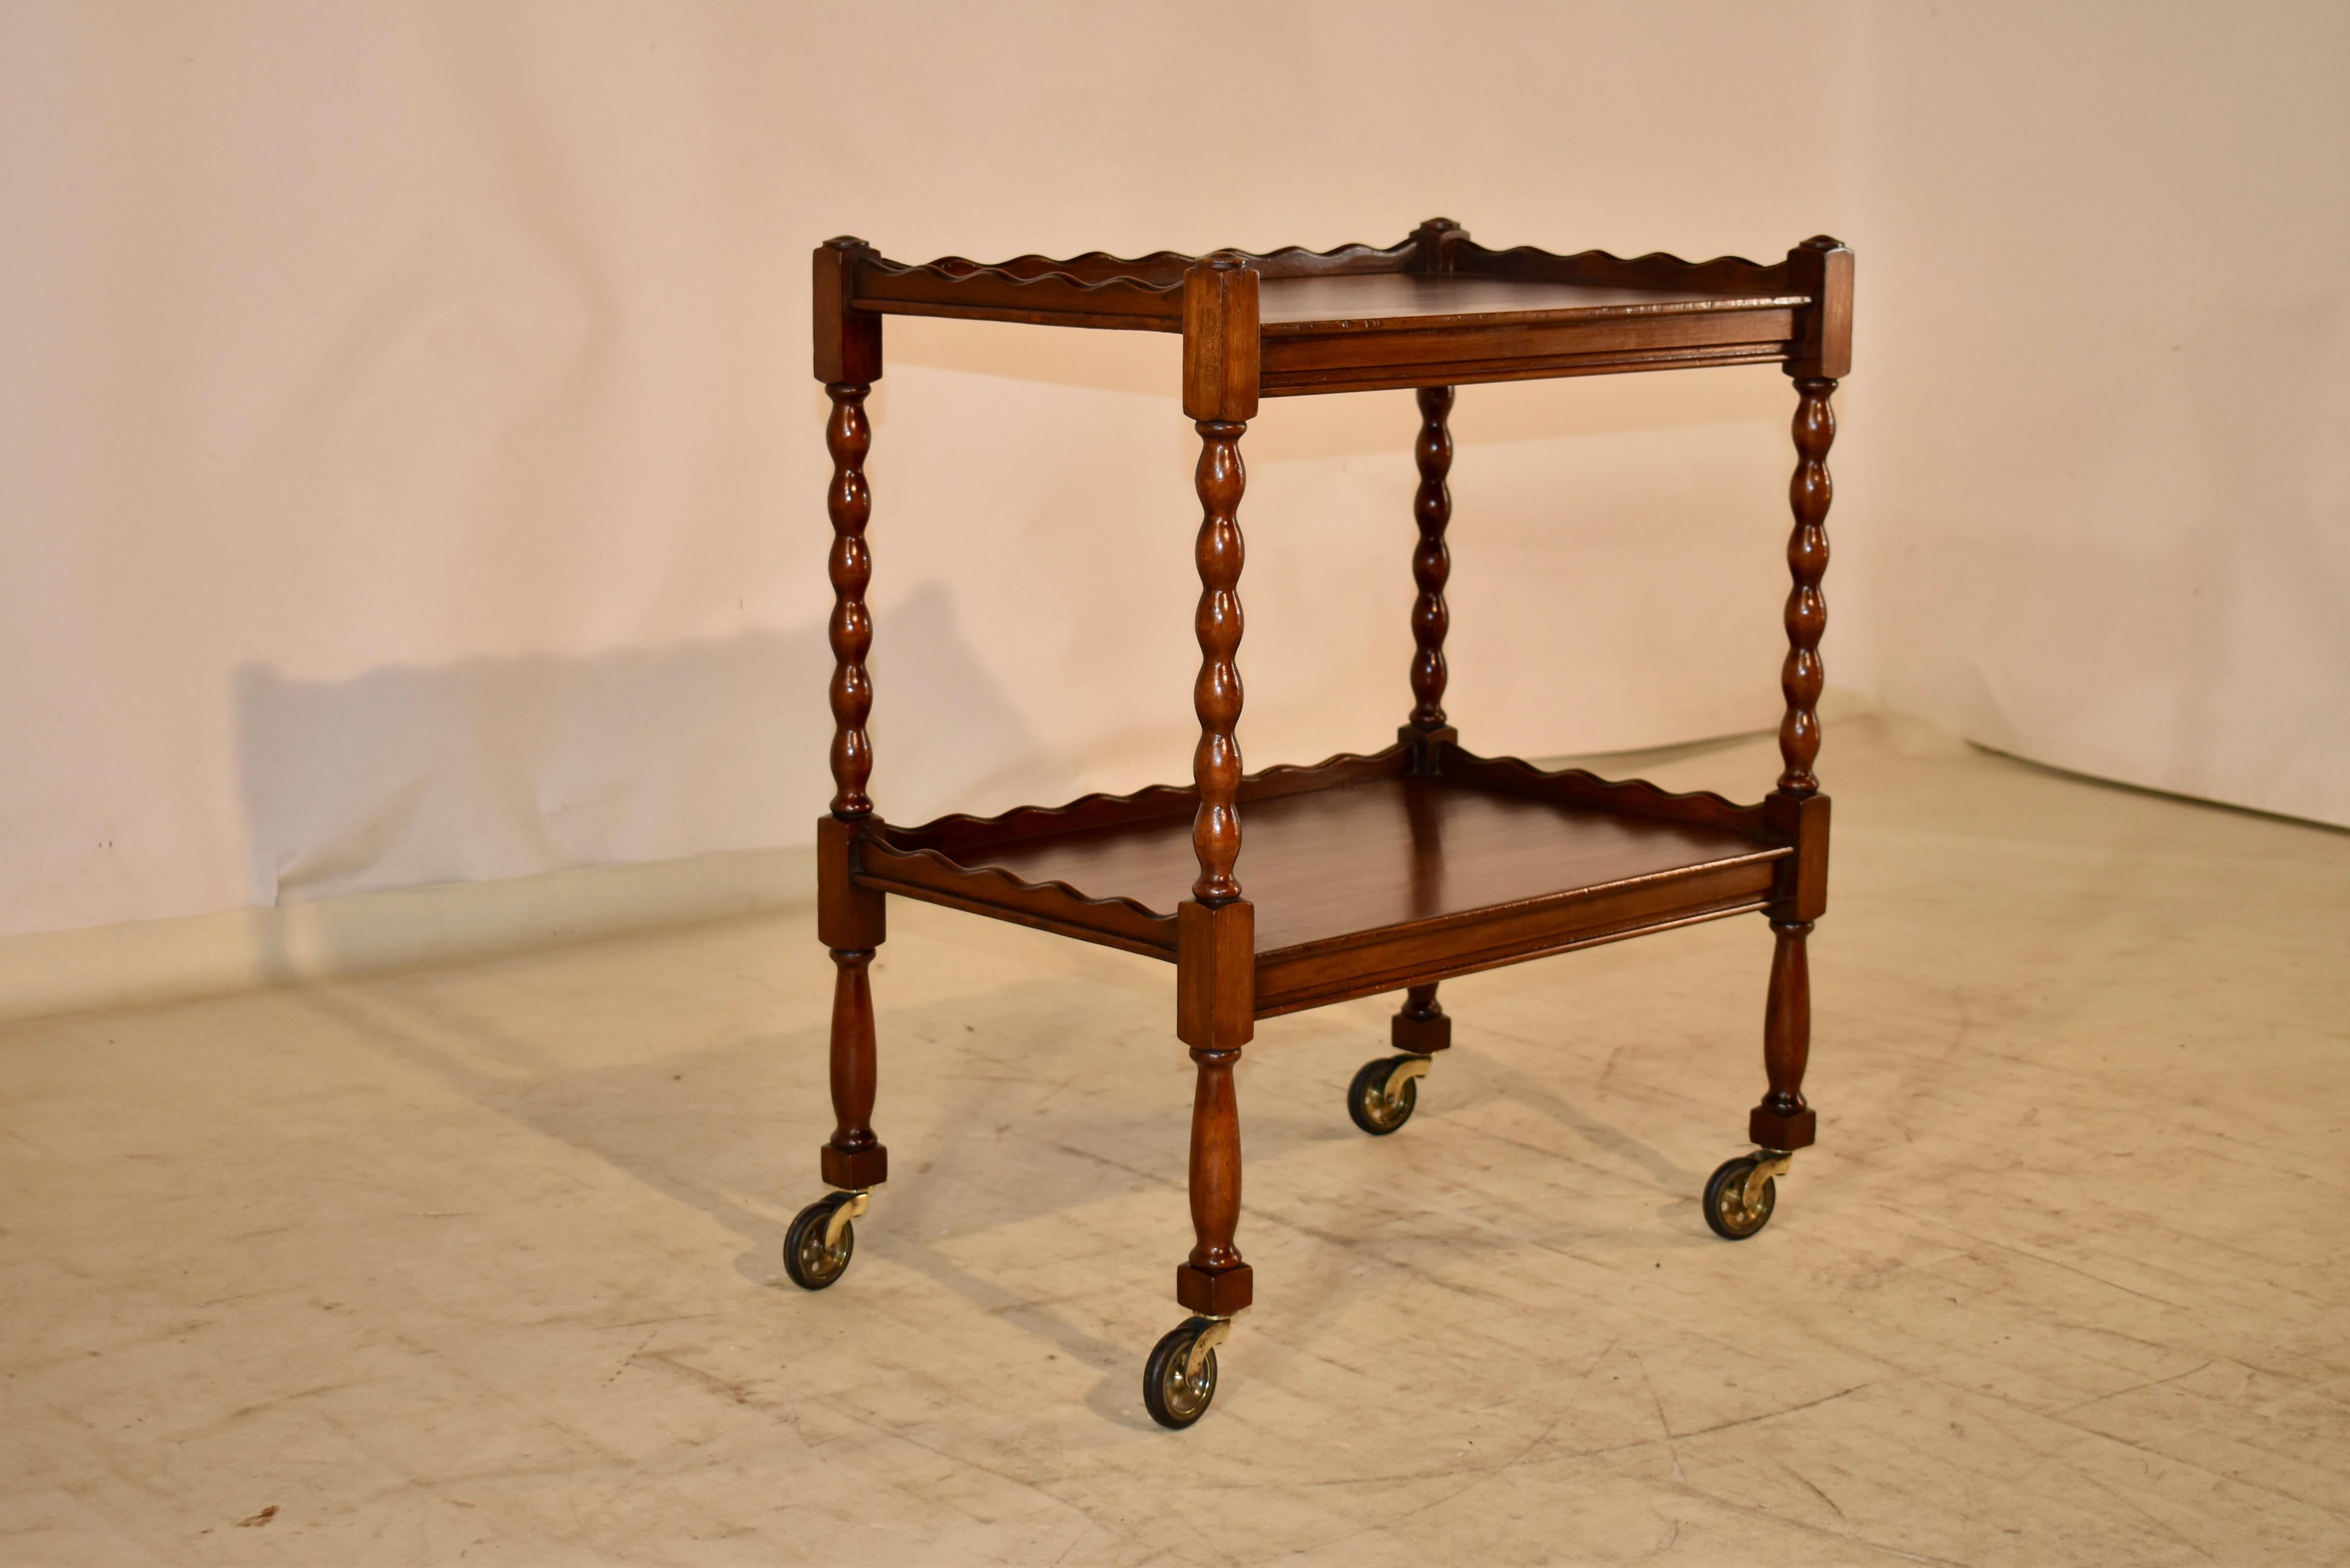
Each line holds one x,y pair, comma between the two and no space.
1390,872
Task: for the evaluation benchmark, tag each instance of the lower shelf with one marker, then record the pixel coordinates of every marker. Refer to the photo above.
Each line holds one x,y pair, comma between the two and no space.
1364,875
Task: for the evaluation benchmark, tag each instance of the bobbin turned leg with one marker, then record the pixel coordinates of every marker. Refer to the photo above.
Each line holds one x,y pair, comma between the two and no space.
849,918
1215,1008
1385,1090
1742,1194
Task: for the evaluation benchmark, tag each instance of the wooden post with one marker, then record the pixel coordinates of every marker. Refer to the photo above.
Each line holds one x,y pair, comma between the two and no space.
1433,245
1431,564
849,918
1823,268
1783,1121
1216,957
1801,678
1420,1027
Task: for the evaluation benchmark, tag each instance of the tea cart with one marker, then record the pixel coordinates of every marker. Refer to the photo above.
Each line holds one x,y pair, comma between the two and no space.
1389,872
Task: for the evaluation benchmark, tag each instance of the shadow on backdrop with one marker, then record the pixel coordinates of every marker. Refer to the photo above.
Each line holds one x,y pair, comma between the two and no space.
509,767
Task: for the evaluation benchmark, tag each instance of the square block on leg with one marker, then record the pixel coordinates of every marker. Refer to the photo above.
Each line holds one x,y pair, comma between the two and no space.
855,1168
1768,1129
1214,1295
1421,1037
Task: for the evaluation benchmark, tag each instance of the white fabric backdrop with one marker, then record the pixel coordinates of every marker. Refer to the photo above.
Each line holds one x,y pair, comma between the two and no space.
411,473
2103,511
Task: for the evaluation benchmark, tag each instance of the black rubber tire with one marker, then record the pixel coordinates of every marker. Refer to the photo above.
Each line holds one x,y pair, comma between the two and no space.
1367,1096
1174,1400
1717,1191
806,1259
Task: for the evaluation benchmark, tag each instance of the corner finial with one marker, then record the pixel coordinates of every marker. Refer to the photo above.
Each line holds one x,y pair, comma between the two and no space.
1433,242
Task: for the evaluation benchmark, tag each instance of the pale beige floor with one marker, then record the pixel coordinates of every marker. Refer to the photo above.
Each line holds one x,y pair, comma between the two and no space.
481,1263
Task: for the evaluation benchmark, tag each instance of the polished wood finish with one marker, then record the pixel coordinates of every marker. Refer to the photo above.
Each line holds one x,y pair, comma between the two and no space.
1431,566
851,920
1420,1025
1803,675
848,340
1215,1280
1796,808
1392,871
1220,370
1821,269
1216,694
1221,338
1634,797
1803,821
1485,863
849,913
1434,245
1782,1121
1435,309
850,502
1216,985
1338,357
854,1156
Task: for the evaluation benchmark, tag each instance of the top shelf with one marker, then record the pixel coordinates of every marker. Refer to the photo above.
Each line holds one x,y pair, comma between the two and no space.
1434,309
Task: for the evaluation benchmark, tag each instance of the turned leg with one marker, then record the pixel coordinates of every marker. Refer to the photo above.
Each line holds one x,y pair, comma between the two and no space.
1215,1012
1216,957
1215,1280
1431,564
1782,1122
849,918
1740,1195
1383,1094
854,1157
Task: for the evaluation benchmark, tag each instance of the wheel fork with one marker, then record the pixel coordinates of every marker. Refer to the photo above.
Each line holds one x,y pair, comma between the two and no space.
842,1213
1768,1163
1218,1329
1405,1071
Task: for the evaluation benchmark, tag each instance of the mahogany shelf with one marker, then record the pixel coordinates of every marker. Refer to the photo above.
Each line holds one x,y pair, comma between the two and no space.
1365,877
1438,309
1296,886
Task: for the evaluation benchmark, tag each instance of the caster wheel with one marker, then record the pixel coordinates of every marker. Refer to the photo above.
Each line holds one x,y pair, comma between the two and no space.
1175,1391
1726,1208
1367,1100
806,1259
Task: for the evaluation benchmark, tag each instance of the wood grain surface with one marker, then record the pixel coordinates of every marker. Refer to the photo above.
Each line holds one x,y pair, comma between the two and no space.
1387,852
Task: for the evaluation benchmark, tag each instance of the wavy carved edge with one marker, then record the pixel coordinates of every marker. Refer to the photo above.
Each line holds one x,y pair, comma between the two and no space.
1040,821
1635,797
1296,261
1053,886
1175,794
1160,273
1532,260
955,271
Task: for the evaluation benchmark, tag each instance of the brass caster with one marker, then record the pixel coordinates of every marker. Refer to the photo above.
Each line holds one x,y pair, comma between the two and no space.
817,1248
1739,1196
1384,1094
1180,1378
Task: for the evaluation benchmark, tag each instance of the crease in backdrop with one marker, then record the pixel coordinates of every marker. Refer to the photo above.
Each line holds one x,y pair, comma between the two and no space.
409,470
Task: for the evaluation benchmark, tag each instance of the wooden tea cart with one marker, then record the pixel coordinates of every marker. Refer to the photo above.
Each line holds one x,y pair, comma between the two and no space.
1390,872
